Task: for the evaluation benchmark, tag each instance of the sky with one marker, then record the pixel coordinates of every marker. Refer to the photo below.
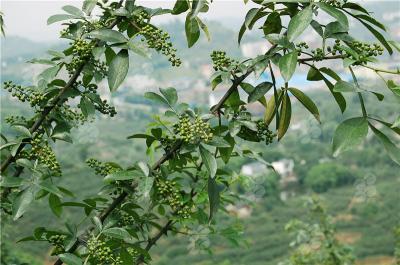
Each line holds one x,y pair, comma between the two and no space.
28,18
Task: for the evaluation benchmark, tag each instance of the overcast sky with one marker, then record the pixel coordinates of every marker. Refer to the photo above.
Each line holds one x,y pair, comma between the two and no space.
28,17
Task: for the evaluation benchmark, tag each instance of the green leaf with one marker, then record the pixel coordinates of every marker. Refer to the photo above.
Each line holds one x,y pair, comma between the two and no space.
286,114
226,152
55,204
349,134
317,27
88,6
59,17
156,98
241,32
118,70
287,65
396,123
22,202
259,92
192,30
208,160
379,37
180,7
23,130
395,45
218,142
73,10
273,24
251,14
338,96
108,35
144,167
86,107
248,88
8,145
117,232
333,28
47,185
371,20
121,175
299,23
335,13
11,182
391,148
343,86
306,101
270,110
49,74
138,48
395,126
170,95
70,259
355,6
213,196
204,28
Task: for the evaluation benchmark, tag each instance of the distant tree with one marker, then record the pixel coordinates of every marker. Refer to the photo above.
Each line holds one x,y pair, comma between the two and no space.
315,242
324,176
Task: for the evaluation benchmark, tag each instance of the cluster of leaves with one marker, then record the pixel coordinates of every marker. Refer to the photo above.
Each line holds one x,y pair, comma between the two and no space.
187,185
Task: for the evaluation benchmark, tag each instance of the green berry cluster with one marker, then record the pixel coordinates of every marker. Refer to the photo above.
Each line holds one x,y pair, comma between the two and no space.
335,3
65,33
97,24
141,17
106,108
58,242
73,116
300,46
125,219
41,151
101,169
82,52
100,67
263,133
160,41
170,195
193,132
221,62
35,98
102,254
364,50
133,252
318,54
16,120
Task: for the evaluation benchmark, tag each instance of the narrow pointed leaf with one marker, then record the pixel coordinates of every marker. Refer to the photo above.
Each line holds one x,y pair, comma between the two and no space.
306,101
286,114
391,148
209,161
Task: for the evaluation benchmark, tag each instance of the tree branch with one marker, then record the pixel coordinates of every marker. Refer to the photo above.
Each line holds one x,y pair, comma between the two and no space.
49,108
